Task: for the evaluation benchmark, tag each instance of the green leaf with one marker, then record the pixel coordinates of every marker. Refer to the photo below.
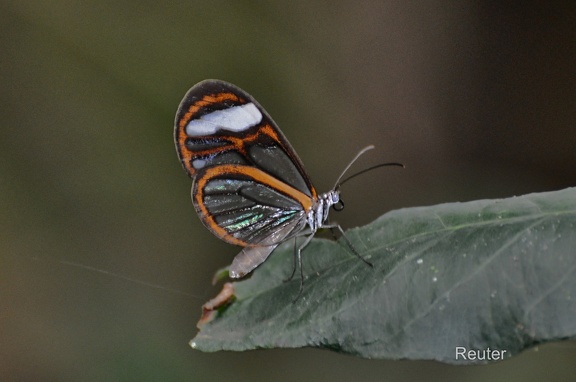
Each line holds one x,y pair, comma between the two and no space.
487,274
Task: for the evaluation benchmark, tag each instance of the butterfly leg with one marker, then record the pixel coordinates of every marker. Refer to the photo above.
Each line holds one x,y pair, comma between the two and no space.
298,263
295,263
358,255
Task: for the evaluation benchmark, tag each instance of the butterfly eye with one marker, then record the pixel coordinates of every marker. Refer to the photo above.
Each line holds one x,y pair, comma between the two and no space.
338,206
335,196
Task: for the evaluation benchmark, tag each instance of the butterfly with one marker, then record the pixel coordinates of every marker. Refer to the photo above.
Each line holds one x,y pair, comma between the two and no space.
250,187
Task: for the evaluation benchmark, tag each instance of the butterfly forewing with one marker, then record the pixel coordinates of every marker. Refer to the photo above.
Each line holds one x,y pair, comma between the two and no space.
218,123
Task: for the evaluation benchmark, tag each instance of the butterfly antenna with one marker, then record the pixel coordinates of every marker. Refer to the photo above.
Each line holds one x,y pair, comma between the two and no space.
340,183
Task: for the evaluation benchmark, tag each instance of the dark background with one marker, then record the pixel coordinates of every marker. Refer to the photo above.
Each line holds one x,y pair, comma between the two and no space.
104,264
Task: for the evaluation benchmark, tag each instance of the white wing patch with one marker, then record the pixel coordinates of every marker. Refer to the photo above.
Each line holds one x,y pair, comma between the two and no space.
236,118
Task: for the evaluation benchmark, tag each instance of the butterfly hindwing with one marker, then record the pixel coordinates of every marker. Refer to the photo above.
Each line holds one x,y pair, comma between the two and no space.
244,205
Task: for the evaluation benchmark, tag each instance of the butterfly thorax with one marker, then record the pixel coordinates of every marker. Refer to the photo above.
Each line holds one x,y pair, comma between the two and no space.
318,213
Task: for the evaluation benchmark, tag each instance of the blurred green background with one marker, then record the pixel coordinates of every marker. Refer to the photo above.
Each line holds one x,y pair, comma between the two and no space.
104,264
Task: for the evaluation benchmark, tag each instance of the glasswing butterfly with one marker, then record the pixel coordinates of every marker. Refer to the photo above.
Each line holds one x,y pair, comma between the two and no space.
249,185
